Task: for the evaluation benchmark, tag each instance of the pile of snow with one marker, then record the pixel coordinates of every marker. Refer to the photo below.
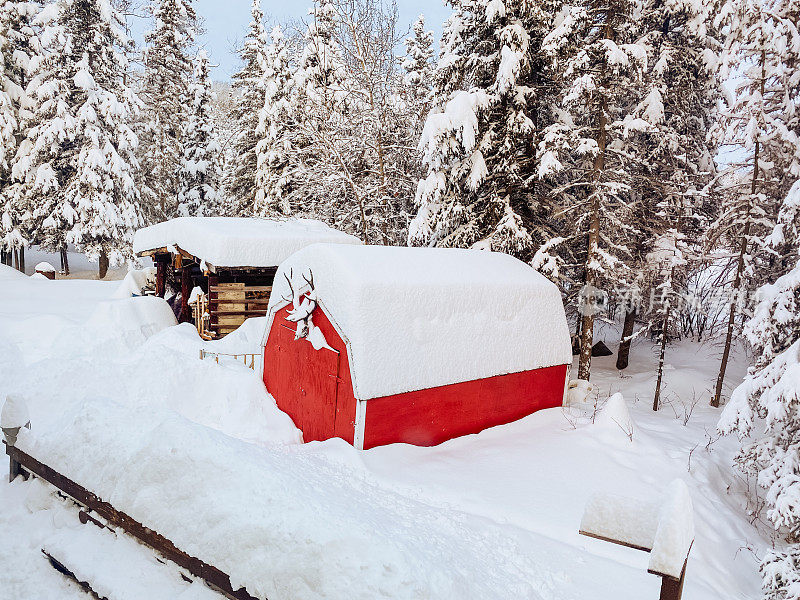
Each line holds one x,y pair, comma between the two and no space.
287,523
9,273
135,282
664,528
236,241
117,566
14,413
615,418
132,319
416,318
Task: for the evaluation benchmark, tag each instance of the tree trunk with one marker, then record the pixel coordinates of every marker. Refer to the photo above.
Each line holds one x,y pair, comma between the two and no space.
587,325
15,251
625,341
22,258
103,266
664,326
737,281
64,260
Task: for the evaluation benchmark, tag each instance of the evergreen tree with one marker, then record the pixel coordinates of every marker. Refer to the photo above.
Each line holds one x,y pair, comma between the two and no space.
201,160
19,50
168,69
491,100
77,163
418,71
601,61
248,85
669,128
763,50
275,131
764,410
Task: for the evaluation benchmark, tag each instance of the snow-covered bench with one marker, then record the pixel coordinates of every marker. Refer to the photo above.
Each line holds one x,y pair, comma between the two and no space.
665,529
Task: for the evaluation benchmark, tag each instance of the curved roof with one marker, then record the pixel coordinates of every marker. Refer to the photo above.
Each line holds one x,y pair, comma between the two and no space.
416,318
236,241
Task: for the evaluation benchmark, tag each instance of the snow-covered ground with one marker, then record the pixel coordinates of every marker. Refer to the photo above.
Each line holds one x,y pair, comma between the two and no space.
111,386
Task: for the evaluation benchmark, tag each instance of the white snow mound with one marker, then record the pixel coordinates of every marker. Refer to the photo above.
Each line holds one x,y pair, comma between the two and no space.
7,273
14,413
417,318
238,242
615,416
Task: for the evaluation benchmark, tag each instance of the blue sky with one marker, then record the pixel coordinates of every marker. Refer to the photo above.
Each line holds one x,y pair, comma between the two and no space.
226,23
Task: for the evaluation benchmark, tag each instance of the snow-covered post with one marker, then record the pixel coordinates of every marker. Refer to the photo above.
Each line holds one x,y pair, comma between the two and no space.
664,529
46,269
13,417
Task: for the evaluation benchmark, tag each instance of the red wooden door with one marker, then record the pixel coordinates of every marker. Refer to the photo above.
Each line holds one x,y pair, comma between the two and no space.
303,381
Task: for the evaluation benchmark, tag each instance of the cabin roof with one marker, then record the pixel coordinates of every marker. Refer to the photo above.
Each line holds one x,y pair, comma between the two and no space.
416,318
235,241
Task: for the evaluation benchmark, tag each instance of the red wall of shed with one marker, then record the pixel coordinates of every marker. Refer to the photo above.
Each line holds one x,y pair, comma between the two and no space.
304,382
432,416
301,381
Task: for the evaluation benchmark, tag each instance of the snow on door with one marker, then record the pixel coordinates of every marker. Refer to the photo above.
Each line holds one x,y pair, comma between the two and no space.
304,381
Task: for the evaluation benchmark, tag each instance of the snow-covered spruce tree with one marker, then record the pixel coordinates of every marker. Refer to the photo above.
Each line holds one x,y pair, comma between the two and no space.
77,163
201,161
763,50
275,131
479,141
597,47
317,97
669,128
764,411
418,70
168,69
248,85
19,51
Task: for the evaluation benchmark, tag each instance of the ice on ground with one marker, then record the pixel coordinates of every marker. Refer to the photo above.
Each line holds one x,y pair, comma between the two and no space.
237,241
416,318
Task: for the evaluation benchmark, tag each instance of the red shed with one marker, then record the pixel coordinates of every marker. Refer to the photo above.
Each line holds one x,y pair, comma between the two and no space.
377,344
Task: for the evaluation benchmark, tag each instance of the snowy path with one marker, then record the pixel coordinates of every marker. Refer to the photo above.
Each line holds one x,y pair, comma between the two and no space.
496,513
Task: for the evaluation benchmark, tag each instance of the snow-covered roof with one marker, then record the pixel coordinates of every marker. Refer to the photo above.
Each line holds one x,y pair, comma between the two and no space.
416,318
237,242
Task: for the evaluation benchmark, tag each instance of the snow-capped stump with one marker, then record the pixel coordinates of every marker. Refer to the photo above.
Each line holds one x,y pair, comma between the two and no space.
46,269
379,345
665,529
232,259
13,417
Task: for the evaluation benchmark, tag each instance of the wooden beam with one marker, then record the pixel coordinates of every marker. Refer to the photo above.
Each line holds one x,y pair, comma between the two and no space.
613,541
213,576
186,289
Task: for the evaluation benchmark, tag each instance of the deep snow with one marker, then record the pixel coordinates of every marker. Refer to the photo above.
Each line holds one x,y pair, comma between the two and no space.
489,515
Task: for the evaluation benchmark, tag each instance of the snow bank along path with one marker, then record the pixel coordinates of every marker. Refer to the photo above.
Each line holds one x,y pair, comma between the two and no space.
417,318
285,523
236,241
